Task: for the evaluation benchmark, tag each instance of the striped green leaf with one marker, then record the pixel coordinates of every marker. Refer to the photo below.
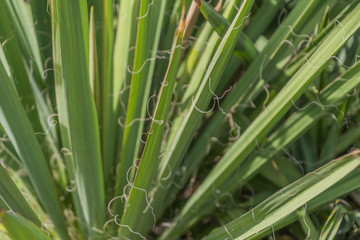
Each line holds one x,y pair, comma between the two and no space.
19,228
82,118
149,26
220,24
269,117
146,171
13,198
17,127
288,199
333,222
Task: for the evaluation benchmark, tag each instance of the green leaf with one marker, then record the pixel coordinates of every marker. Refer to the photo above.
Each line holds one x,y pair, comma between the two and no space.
333,222
295,20
137,202
203,49
17,126
83,125
25,30
307,225
288,199
12,53
19,228
221,25
263,18
270,116
40,10
193,116
63,116
125,28
13,198
244,91
296,125
348,184
149,27
200,56
108,116
139,91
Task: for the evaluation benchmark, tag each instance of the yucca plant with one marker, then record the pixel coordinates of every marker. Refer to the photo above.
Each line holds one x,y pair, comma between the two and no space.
179,119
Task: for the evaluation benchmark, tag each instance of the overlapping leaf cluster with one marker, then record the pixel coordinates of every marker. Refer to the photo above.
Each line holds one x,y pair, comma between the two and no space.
159,119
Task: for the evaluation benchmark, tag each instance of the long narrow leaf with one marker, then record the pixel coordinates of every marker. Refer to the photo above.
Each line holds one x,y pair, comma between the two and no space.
109,118
203,96
20,228
13,198
294,127
348,184
17,126
25,30
150,20
269,117
333,222
63,115
136,203
288,199
220,24
84,136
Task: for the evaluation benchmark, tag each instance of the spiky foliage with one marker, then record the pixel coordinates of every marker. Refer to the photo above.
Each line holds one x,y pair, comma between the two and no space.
159,119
